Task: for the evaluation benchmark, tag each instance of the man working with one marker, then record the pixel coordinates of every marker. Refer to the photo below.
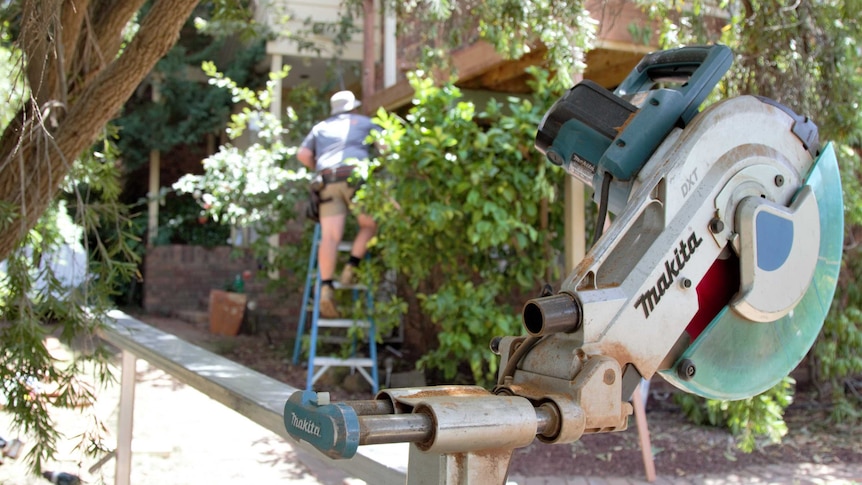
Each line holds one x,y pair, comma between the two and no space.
328,150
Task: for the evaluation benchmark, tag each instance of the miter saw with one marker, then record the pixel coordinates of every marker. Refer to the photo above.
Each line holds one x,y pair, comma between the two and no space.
717,272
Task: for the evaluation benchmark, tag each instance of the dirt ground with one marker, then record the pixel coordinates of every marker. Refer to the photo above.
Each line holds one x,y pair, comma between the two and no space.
679,447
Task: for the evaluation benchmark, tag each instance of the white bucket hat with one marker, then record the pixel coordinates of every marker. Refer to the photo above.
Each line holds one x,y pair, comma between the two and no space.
342,102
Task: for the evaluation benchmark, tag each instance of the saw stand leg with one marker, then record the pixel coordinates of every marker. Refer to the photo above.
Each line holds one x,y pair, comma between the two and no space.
643,431
473,468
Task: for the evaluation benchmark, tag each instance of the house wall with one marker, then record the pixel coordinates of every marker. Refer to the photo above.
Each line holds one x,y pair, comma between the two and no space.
289,17
178,280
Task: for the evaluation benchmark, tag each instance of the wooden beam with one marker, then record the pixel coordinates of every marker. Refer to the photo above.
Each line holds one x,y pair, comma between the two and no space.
480,67
258,397
515,68
608,68
475,60
391,98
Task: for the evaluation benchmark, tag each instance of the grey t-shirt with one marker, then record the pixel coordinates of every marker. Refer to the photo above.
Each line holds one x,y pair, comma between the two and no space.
339,138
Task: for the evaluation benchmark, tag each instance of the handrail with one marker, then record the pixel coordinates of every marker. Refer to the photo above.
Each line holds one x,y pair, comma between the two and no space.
258,397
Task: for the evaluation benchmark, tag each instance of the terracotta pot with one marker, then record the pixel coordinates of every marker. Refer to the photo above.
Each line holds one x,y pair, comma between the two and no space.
226,311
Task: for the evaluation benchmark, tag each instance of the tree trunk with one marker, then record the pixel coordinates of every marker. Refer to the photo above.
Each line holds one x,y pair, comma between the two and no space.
78,84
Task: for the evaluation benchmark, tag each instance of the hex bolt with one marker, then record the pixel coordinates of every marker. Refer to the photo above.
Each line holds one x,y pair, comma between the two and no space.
779,180
716,226
685,369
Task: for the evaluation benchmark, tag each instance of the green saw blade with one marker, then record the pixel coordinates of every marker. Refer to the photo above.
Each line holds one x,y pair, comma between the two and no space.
734,358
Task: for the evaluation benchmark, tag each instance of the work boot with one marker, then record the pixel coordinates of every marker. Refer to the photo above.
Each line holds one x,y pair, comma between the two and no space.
327,303
347,276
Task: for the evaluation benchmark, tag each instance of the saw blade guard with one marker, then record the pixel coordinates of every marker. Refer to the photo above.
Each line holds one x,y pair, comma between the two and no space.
734,357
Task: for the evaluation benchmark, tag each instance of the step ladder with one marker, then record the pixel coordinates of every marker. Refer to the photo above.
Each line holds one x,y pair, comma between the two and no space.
319,364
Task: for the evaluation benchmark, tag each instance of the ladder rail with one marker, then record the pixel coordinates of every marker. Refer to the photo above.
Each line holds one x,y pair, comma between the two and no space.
318,365
312,268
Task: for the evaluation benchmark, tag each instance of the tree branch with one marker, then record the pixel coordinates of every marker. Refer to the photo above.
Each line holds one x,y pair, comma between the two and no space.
102,39
33,163
37,42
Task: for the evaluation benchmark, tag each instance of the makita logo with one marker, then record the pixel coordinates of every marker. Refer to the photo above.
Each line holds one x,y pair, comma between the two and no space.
306,425
649,300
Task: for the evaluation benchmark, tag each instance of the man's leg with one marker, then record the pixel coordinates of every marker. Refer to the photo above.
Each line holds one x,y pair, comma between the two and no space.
367,230
331,232
333,212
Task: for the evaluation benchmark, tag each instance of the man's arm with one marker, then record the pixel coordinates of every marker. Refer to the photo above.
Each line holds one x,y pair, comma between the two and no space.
306,157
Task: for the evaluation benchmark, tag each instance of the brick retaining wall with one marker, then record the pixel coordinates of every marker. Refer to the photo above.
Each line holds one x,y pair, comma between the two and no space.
178,279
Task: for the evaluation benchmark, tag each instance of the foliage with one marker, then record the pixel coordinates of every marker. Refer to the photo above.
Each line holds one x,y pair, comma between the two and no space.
458,200
748,419
185,109
229,18
39,298
565,29
184,220
249,187
805,56
174,111
260,186
11,83
39,304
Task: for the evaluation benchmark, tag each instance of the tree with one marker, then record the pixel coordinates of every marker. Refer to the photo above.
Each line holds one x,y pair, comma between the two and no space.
79,79
79,62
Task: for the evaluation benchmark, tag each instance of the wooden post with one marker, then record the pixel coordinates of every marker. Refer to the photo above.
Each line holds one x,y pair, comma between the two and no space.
276,110
123,472
574,226
154,185
368,56
390,59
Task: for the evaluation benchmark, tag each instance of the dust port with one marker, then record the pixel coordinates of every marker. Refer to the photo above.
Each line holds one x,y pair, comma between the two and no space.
552,314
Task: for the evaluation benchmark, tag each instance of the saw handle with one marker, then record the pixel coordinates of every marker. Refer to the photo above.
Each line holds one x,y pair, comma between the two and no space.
697,68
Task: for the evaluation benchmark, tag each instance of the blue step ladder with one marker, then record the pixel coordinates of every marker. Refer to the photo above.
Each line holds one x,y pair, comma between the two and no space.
318,364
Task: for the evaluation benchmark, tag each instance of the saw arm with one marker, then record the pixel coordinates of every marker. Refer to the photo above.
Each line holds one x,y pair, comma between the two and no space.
716,273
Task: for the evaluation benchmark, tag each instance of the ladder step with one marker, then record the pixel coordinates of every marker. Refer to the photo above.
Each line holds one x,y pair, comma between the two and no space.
342,323
351,362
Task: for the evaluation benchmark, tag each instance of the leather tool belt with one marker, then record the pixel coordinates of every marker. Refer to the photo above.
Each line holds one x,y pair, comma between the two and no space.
336,174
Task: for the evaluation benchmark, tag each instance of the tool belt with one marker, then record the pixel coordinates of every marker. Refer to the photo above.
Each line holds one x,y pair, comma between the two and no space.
326,176
336,174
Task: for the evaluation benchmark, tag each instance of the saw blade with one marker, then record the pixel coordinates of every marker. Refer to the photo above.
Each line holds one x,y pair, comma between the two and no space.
735,358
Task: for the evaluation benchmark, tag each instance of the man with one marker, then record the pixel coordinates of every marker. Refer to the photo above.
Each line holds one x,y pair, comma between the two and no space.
329,149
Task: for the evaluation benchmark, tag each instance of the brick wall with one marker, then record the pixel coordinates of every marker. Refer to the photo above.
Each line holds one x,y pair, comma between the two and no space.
178,278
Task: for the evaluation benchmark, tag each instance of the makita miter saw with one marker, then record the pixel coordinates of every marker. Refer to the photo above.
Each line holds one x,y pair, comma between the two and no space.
717,272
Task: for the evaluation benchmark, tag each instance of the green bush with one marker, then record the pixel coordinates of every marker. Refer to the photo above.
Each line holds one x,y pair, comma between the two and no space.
468,216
